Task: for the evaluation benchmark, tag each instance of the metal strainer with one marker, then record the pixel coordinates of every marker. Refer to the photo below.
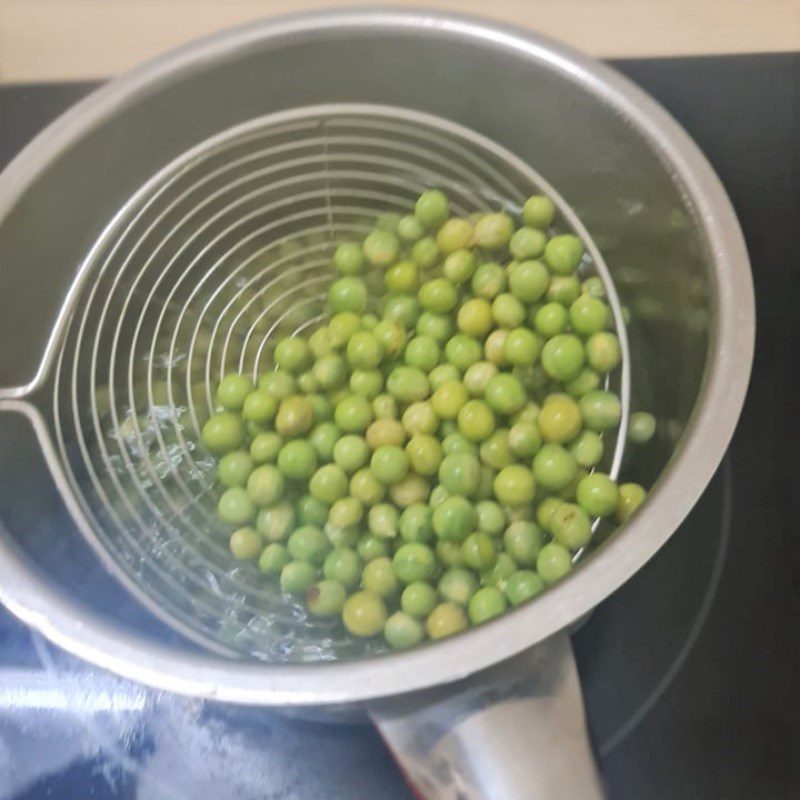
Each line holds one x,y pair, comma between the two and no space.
225,249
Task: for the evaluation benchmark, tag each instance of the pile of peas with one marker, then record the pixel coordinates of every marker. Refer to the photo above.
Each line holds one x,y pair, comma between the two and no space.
423,470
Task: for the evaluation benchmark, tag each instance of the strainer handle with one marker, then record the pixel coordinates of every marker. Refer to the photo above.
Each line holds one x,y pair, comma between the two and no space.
514,732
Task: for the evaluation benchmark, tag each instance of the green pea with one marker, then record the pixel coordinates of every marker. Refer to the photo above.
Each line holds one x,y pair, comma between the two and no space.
275,523
307,383
308,543
538,211
551,319
477,377
603,351
278,384
447,619
563,253
527,243
385,431
474,318
523,541
521,347
348,294
505,394
328,484
443,374
346,512
587,449
489,281
491,517
223,433
351,452
528,280
462,351
381,248
403,309
597,494
554,467
586,381
495,451
588,315
457,443
563,357
438,327
457,585
364,614
418,599
641,428
274,557
460,473
259,407
297,577
559,419
311,511
414,561
234,468
293,355
391,335
402,631
544,511
295,416
416,523
383,521
571,526
515,486
343,564
402,278
494,231
523,586
324,438
454,519
631,496
326,598
366,382
432,208
265,447
353,414
553,562
232,391
455,234
410,229
478,551
323,408
601,410
425,252
266,485
371,547
449,399
245,543
422,352
322,342
438,295
348,259
364,350
364,486
408,384
448,554
297,459
564,289
487,603
476,420
341,537
379,577
524,439
499,572
389,464
459,266
508,311
494,347
423,454
593,286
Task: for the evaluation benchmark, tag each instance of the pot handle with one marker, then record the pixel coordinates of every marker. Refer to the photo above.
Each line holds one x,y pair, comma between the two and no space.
516,731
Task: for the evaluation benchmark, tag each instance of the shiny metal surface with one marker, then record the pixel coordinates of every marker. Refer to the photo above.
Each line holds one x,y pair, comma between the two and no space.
643,190
224,250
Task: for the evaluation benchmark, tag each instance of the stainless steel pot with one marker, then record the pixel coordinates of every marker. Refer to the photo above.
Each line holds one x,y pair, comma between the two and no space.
504,719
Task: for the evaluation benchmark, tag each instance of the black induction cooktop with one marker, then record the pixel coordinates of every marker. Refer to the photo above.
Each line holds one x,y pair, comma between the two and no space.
690,671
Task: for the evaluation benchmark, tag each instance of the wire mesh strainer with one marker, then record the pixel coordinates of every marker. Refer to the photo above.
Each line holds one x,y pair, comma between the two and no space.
224,250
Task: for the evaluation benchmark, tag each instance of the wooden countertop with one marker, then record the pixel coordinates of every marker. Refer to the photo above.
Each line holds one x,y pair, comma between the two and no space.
73,39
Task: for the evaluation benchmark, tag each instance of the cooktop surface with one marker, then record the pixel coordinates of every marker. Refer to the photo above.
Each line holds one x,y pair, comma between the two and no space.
690,671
